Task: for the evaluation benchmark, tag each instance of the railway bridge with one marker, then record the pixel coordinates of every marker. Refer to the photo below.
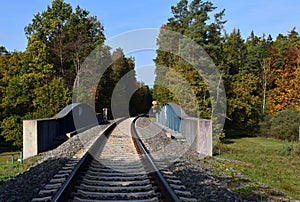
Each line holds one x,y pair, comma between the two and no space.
119,164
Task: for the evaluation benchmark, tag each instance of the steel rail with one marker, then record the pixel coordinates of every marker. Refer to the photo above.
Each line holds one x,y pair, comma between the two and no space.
61,194
167,192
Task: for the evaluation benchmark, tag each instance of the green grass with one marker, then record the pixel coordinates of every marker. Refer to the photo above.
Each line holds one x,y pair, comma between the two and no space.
272,162
8,157
7,149
9,169
152,119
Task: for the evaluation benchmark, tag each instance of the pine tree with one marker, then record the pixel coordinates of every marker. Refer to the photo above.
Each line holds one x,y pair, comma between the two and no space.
190,20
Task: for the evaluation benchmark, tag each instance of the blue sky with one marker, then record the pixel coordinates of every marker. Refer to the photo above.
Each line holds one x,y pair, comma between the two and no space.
262,16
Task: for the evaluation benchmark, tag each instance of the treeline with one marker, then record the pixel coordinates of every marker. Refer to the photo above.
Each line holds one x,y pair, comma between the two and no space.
38,82
261,75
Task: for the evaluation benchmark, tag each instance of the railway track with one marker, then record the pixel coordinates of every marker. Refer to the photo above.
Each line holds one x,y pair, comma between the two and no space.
117,167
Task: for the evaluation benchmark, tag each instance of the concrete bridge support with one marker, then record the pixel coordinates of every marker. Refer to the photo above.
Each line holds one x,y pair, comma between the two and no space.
44,134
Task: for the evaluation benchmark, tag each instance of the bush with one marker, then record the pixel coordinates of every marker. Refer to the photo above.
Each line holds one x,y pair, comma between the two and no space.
283,125
11,130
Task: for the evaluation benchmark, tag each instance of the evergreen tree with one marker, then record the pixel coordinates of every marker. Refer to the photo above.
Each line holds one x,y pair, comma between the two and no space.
190,20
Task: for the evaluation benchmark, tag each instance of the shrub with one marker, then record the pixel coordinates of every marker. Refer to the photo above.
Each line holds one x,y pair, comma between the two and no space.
283,125
11,130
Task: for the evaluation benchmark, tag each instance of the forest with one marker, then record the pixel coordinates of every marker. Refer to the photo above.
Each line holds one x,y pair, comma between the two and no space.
38,82
261,75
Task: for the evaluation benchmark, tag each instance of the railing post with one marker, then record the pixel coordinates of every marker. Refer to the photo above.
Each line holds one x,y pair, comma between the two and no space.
104,114
21,156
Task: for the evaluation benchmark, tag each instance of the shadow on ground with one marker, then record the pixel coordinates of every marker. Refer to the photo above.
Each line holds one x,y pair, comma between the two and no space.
26,186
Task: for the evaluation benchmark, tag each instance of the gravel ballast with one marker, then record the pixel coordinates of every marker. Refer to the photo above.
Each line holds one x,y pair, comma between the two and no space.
208,179
202,177
27,185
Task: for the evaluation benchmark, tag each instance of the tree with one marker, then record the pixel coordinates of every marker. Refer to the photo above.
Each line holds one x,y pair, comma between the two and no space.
236,79
234,55
286,93
69,35
50,98
10,66
141,100
282,125
284,56
120,67
11,130
191,20
33,83
244,103
267,77
3,51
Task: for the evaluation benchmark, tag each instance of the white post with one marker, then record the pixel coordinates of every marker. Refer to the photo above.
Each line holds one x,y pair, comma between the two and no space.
104,111
30,138
204,138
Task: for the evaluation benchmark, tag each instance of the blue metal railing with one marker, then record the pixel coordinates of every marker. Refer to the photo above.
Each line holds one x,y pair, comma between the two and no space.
170,115
196,131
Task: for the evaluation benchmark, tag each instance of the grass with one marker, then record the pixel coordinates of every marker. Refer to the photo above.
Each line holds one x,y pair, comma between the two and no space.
8,157
273,162
7,149
9,169
152,119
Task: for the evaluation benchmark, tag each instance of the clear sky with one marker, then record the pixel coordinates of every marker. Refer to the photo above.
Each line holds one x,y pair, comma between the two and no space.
118,16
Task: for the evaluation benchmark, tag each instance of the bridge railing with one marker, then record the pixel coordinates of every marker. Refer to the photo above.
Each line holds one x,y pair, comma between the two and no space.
6,158
197,132
169,118
44,134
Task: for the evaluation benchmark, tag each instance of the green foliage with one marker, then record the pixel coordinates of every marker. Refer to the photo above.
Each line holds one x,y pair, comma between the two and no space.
297,149
30,97
37,83
261,75
66,35
19,93
180,80
283,125
51,97
141,101
234,54
120,67
244,103
11,128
